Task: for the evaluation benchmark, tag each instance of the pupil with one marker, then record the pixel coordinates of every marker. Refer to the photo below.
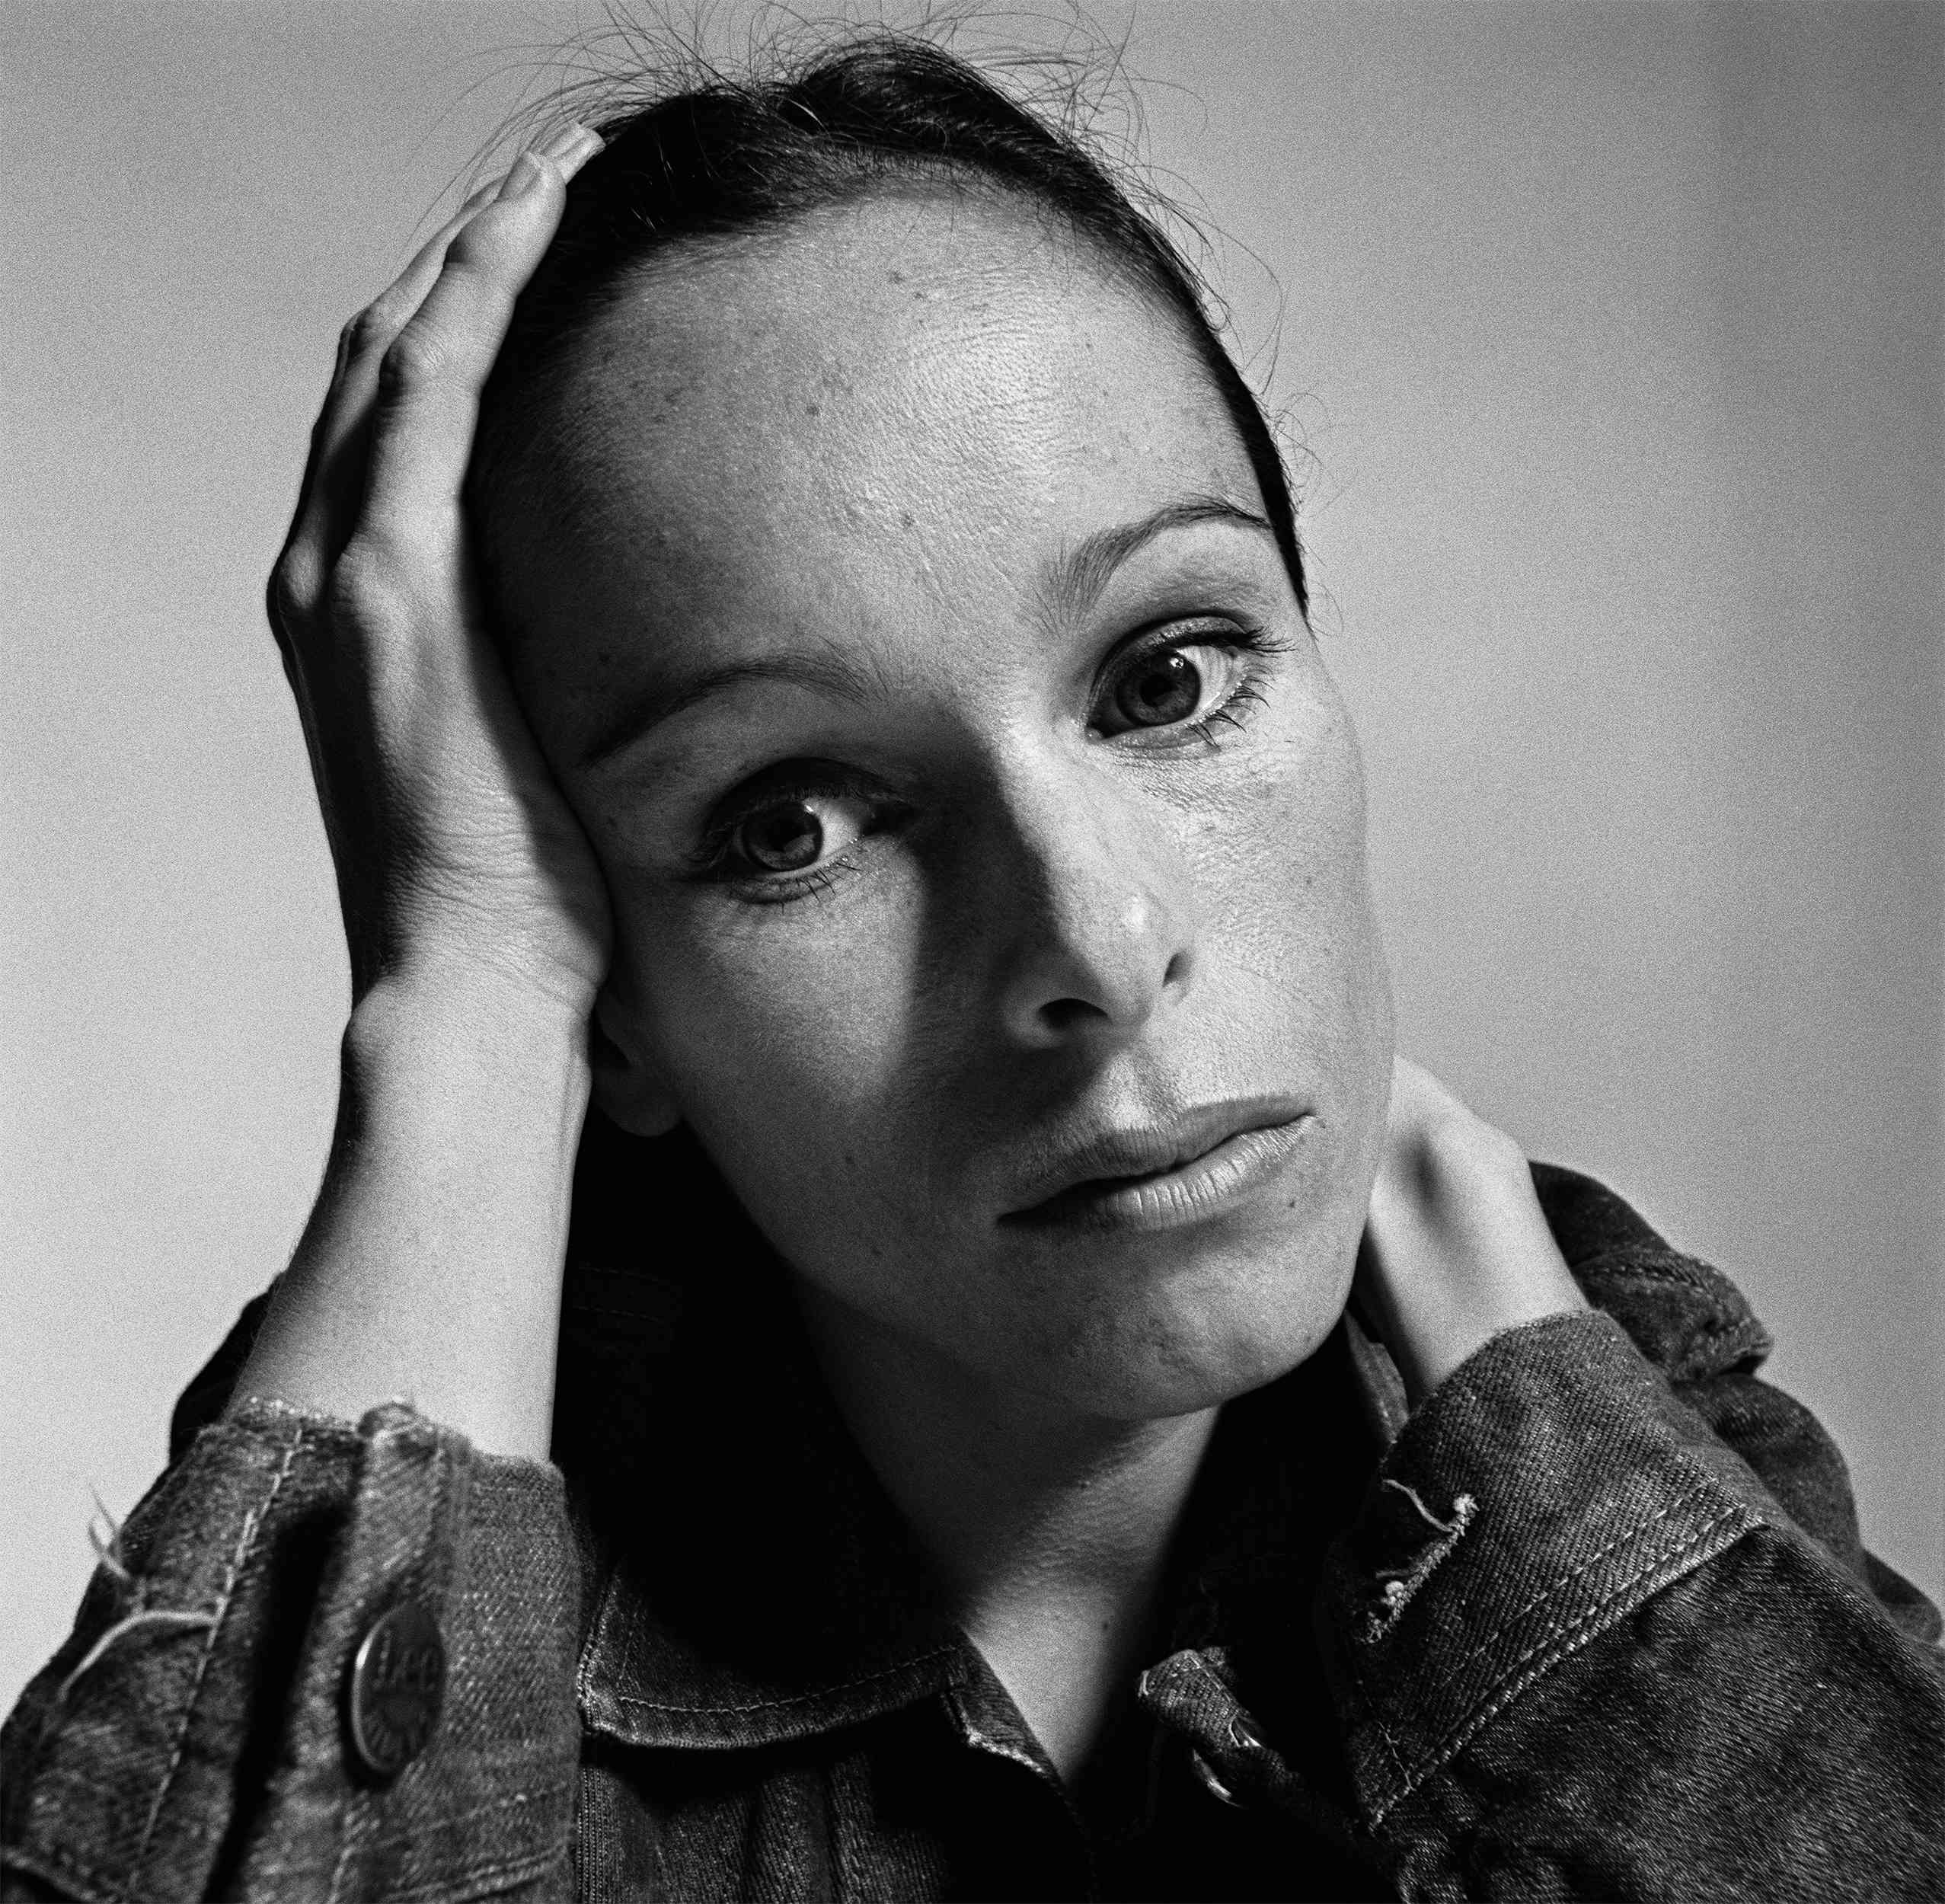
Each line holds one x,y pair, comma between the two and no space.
783,840
1166,690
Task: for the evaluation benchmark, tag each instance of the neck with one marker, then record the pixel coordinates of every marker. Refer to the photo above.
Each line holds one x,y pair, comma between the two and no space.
1048,1528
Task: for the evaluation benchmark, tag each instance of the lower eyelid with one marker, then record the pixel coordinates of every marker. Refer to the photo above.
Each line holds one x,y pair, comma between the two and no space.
800,886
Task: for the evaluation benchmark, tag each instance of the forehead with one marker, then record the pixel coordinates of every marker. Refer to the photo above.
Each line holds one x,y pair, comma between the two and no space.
916,400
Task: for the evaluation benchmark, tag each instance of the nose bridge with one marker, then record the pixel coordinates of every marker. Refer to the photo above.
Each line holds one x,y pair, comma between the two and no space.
1100,925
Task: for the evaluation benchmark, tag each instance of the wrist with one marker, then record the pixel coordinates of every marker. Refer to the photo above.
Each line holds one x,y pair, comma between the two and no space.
1458,1248
447,973
430,1270
473,1028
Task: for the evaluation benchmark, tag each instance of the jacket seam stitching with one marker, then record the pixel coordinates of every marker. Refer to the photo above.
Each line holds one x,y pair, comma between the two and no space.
442,1822
1665,1264
460,1883
1513,1682
348,1847
1631,1534
1731,1311
1401,1771
499,1876
792,1699
1689,1272
245,1544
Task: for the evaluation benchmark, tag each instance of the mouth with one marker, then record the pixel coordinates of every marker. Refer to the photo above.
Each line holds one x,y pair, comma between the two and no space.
1162,1177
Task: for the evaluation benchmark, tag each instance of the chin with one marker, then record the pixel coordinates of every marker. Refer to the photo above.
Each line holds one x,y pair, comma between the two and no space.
1202,1336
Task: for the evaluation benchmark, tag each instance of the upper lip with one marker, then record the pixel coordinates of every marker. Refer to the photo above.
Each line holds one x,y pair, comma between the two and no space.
1146,1150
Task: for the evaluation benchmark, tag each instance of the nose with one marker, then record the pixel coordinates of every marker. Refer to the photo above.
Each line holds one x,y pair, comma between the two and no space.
1096,915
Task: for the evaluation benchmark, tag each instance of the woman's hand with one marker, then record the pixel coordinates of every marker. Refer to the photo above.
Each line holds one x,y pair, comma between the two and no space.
1457,1248
430,1269
456,852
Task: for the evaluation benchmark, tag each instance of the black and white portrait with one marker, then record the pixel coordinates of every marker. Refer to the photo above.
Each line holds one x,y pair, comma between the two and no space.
969,952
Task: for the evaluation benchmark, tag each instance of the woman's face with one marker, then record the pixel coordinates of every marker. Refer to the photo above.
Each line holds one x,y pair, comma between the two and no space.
893,598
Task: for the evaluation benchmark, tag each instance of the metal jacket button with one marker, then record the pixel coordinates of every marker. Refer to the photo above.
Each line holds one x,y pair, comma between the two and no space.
397,1681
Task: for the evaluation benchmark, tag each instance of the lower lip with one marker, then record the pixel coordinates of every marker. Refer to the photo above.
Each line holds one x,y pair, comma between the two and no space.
1210,1186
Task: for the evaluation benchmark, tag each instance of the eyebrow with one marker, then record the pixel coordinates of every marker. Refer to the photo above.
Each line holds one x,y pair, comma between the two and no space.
1085,570
1079,576
826,674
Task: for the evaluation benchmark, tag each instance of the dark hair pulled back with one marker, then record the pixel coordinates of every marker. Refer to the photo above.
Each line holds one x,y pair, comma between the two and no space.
728,158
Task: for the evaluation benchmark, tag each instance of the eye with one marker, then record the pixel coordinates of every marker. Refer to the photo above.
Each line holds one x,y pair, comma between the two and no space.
1177,682
790,830
796,832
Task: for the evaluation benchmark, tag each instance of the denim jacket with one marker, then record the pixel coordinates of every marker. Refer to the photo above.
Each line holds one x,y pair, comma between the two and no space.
1593,1621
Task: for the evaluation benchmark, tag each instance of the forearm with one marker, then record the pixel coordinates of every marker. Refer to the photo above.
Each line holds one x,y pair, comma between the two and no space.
430,1269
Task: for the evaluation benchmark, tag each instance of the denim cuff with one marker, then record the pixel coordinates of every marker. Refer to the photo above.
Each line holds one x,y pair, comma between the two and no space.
1543,1491
193,1738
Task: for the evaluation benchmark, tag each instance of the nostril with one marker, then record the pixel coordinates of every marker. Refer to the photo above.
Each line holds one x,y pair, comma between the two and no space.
1069,1014
1177,974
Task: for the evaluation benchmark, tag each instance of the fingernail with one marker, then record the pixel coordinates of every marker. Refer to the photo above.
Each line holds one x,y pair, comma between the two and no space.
522,179
572,147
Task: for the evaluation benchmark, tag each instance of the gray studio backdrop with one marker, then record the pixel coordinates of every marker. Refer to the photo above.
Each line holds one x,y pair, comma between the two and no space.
1611,340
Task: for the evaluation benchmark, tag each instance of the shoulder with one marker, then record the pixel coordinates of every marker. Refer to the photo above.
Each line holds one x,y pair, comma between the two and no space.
1684,1314
1699,1330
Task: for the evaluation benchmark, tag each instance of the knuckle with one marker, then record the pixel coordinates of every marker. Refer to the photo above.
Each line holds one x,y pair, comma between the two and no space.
360,580
1454,1147
370,589
368,330
473,245
414,358
291,591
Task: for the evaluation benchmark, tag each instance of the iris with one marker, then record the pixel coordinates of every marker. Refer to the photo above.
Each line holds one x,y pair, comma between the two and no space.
783,838
1166,689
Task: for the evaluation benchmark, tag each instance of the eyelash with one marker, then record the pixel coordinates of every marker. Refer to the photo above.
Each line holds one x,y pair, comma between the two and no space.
783,889
711,863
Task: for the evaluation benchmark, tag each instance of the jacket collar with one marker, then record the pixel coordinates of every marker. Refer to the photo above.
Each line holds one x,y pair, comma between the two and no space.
758,1586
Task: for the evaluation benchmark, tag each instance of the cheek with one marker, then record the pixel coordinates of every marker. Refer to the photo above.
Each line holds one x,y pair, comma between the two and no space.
785,1019
1287,870
1297,944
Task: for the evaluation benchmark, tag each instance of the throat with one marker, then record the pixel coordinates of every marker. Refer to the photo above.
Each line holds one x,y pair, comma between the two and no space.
1069,1663
1056,1574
